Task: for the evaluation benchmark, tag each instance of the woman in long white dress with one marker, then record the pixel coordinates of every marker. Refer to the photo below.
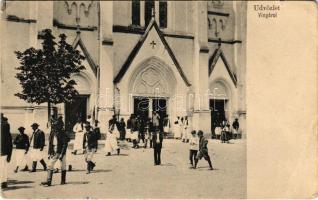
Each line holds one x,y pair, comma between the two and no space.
166,127
185,137
78,129
111,143
176,128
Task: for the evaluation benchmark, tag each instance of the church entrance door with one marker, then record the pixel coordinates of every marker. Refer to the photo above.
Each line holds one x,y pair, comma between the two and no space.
160,106
74,110
217,107
144,106
141,107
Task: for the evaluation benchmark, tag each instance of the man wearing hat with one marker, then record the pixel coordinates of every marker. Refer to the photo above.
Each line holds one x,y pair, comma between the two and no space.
58,142
37,143
22,145
6,150
90,142
203,150
157,139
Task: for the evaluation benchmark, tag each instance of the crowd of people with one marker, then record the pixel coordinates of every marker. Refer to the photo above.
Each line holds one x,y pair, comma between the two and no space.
138,130
225,133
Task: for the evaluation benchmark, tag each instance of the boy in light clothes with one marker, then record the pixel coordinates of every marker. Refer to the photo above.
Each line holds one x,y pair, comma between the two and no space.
194,147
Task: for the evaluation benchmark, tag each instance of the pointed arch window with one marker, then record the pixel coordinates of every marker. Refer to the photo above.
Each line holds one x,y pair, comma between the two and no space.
135,12
163,12
149,8
214,25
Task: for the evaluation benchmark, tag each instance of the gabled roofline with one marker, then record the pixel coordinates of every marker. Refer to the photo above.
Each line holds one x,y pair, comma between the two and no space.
136,49
92,64
213,60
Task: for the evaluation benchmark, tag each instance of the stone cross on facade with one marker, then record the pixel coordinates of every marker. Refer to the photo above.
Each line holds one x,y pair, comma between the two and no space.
153,44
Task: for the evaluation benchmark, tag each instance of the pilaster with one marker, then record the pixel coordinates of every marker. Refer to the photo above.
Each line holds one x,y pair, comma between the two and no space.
105,102
142,13
201,115
45,16
33,12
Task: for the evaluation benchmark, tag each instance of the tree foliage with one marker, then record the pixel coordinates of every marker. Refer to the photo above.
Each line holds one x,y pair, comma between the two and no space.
45,74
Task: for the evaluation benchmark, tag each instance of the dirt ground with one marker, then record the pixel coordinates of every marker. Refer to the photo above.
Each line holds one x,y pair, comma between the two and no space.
133,175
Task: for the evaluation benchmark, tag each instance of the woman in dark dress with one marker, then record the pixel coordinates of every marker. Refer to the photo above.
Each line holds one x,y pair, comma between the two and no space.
122,130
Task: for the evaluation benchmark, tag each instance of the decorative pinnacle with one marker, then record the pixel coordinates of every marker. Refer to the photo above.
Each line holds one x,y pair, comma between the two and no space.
153,13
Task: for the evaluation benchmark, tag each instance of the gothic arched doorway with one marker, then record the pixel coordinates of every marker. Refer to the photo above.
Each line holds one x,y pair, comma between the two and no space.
151,86
220,103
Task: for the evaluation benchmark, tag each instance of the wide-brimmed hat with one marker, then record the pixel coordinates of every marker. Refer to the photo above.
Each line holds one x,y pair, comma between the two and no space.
21,128
35,125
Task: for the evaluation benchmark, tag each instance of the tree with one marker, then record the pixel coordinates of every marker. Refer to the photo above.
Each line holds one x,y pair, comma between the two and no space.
45,74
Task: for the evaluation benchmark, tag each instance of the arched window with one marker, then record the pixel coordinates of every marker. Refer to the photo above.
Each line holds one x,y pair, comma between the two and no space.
163,11
149,8
222,24
209,24
214,25
135,12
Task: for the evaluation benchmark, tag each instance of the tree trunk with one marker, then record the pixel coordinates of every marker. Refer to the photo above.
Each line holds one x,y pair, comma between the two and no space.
48,113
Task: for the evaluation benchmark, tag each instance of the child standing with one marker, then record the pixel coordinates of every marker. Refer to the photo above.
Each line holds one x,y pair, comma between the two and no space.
194,147
203,150
90,142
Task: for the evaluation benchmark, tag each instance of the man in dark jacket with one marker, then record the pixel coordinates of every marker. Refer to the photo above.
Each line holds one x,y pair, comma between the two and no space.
6,150
157,139
236,126
203,150
58,142
22,147
90,143
112,121
37,143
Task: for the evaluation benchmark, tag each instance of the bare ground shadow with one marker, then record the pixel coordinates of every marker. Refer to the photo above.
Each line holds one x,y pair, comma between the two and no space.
77,183
15,182
114,155
101,170
123,154
206,169
16,187
77,170
167,165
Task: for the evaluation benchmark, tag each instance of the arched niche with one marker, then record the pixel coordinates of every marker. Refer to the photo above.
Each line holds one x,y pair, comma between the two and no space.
83,83
220,90
152,78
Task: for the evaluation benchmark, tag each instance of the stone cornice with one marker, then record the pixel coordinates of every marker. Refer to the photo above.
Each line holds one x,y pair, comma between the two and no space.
13,18
224,41
107,41
73,27
141,30
204,50
218,13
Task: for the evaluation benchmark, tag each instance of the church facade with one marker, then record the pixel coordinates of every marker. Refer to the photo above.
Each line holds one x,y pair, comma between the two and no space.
180,58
